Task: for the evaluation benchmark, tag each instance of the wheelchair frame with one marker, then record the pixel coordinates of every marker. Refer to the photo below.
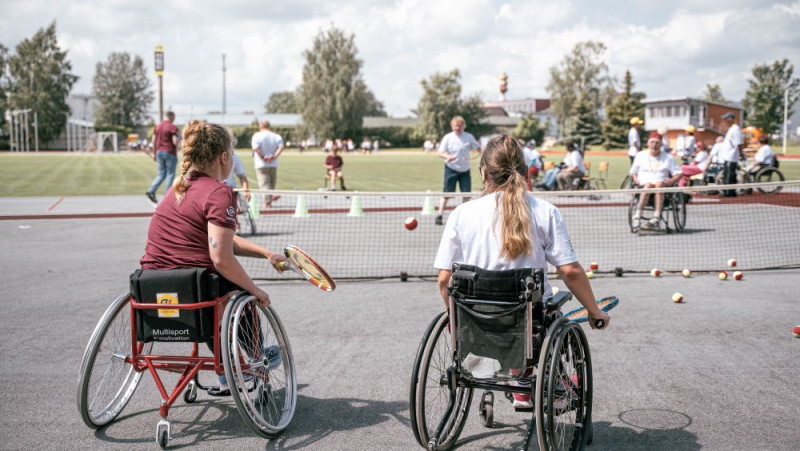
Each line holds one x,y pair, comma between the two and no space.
674,206
246,375
553,341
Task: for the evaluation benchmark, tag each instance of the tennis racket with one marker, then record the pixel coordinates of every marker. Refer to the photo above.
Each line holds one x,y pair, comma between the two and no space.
301,263
581,315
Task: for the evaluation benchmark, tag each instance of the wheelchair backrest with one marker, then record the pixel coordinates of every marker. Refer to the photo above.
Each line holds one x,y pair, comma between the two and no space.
174,286
491,314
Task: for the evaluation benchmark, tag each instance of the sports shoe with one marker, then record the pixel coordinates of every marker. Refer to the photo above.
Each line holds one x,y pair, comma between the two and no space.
152,197
522,401
635,223
439,220
652,223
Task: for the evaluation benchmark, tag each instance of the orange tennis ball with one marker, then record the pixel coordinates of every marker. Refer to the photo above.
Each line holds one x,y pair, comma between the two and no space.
594,266
796,331
411,223
686,273
655,272
677,298
723,275
737,275
732,263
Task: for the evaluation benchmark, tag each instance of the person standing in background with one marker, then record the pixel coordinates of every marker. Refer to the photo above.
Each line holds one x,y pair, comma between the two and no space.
454,150
267,147
729,153
165,142
634,142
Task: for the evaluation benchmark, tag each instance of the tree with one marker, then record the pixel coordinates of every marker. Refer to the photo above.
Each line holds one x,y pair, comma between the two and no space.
586,126
619,111
281,102
763,101
40,79
528,128
3,87
333,98
374,107
441,101
123,91
583,71
714,94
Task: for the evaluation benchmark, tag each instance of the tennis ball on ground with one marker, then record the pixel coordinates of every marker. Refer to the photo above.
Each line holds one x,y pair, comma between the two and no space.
677,298
411,223
737,275
655,272
594,266
723,275
732,263
590,274
796,331
686,273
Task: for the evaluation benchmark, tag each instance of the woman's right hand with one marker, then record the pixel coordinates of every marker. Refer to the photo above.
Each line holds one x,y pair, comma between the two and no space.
600,315
262,296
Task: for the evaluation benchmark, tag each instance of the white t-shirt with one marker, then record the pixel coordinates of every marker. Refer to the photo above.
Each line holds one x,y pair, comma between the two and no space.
701,160
733,139
532,157
472,236
459,147
765,155
238,170
269,143
633,142
650,169
574,158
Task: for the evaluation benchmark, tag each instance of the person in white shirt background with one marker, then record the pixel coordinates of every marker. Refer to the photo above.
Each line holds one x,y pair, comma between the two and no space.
653,169
533,159
267,147
763,158
634,142
454,150
698,166
685,146
507,228
573,168
730,152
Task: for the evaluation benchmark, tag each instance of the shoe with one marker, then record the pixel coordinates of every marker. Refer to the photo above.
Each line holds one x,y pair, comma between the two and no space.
344,188
222,390
654,222
521,401
152,197
635,223
439,220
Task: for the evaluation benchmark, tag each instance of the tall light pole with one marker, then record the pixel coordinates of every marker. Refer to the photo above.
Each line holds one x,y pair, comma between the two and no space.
223,87
785,117
159,65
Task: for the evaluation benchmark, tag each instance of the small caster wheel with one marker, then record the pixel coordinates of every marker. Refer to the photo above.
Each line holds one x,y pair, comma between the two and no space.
190,395
162,433
486,409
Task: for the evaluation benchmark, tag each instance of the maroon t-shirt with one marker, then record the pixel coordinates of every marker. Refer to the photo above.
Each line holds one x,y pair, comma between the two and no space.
335,162
178,234
163,137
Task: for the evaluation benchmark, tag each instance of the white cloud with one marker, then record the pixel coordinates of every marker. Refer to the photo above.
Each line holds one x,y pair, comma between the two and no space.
671,47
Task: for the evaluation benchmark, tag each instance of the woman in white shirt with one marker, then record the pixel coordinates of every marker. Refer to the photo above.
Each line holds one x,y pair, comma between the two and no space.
698,166
573,168
764,157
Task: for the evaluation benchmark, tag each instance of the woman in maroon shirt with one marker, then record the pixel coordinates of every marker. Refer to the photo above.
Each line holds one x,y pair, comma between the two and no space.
194,224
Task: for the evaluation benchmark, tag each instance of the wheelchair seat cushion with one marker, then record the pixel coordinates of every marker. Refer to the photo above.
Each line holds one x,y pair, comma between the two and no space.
174,286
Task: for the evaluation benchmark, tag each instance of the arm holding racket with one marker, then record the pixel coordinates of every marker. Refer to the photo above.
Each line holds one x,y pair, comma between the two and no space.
575,278
245,248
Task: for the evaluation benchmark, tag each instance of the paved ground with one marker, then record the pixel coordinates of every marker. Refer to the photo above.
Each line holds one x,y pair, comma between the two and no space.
717,372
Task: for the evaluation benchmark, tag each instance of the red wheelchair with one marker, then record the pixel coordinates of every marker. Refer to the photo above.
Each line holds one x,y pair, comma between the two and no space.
250,348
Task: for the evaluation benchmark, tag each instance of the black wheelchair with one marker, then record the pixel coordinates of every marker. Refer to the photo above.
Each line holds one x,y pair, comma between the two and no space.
249,346
673,212
499,319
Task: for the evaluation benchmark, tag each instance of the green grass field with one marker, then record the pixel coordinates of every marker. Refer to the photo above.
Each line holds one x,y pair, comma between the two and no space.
50,174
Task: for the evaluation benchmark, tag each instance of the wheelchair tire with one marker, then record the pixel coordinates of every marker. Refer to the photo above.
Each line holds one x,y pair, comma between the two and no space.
265,397
107,382
428,396
631,208
627,182
769,175
248,223
564,389
679,211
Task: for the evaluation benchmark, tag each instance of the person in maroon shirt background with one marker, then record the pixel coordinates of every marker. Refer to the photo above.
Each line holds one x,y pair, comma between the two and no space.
194,224
333,167
165,143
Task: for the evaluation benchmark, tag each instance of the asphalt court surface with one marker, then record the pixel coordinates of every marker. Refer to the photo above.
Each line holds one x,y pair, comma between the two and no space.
716,372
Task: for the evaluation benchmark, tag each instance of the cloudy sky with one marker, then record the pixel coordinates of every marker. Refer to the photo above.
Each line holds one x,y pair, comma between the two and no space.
673,48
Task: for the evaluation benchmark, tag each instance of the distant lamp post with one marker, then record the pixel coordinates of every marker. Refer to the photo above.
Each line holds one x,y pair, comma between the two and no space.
503,86
159,65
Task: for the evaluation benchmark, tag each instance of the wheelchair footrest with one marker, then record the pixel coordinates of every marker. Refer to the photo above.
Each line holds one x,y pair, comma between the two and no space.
216,391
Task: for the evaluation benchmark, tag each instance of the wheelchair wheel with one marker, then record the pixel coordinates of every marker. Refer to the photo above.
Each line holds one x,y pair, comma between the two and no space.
247,223
430,395
769,175
107,381
631,208
626,182
679,211
259,365
564,389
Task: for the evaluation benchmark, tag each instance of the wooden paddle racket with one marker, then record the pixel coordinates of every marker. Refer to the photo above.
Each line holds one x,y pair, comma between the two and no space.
301,263
581,315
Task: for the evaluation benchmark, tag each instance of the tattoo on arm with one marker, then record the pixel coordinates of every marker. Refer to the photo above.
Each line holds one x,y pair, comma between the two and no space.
212,242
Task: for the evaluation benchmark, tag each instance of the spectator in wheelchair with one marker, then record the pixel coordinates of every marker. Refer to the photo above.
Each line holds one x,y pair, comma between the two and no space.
763,158
573,169
698,166
507,228
653,169
193,226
